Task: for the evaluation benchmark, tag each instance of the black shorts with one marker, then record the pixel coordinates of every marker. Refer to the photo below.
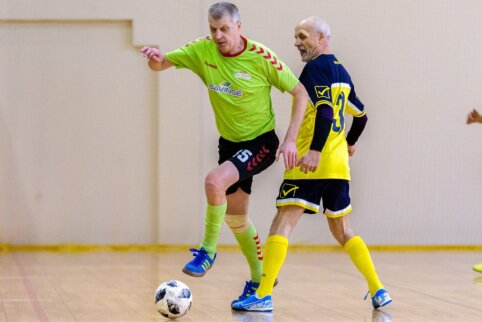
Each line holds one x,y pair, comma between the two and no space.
308,193
249,157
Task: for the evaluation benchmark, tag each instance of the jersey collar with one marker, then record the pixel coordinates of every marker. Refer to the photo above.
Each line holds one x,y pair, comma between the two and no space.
245,41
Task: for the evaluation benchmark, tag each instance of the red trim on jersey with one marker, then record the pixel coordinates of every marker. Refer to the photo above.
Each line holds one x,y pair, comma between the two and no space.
267,56
242,50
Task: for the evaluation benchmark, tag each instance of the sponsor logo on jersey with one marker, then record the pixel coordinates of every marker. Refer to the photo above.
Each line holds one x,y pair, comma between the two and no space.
323,92
242,74
225,89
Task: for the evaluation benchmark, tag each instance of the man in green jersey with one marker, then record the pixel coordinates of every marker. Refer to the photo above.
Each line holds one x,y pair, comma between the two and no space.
238,73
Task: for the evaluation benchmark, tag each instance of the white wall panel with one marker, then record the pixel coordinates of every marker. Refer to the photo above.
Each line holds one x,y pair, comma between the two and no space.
416,66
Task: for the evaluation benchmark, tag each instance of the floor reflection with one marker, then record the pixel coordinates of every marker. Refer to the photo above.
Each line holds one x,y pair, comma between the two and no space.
253,316
381,316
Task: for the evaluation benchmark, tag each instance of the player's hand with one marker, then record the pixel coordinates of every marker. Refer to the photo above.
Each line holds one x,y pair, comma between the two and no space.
152,53
474,117
290,154
310,161
351,150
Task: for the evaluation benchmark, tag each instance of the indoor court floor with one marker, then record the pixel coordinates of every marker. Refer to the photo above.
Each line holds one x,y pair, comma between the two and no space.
119,286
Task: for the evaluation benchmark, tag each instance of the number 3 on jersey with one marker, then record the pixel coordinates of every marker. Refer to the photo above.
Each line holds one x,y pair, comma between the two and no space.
340,106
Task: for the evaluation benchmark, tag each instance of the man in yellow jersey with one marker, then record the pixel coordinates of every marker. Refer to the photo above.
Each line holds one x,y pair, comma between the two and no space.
238,73
323,173
475,117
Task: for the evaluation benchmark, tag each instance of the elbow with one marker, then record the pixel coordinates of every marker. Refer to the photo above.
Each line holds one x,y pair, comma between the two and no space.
360,121
153,66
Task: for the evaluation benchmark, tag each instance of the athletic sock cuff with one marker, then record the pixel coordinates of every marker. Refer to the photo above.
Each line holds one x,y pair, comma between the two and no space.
218,208
277,239
352,242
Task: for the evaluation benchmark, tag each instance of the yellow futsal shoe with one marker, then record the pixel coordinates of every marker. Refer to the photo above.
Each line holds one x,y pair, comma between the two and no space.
478,268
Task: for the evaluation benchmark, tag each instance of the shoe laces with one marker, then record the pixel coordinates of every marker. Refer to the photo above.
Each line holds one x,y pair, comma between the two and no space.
249,289
199,254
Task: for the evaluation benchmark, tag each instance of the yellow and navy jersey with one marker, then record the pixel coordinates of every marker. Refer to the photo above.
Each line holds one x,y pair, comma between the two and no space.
329,85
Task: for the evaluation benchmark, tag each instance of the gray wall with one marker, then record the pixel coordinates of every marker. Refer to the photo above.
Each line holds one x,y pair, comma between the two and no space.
97,149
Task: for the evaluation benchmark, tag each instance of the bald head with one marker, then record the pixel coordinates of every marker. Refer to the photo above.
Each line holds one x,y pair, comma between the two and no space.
316,24
312,35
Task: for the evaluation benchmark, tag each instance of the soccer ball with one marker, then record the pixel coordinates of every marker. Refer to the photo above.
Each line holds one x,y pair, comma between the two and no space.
173,299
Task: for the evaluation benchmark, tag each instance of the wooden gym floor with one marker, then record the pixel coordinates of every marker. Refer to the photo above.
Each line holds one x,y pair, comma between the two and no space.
314,286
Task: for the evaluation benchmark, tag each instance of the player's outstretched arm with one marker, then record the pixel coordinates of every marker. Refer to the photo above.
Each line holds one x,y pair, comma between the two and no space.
288,147
157,60
474,117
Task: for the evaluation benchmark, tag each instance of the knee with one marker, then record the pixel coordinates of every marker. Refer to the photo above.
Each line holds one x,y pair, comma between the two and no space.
237,223
213,184
341,233
285,220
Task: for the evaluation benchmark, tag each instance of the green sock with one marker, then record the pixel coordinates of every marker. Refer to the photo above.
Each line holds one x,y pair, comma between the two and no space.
251,248
212,226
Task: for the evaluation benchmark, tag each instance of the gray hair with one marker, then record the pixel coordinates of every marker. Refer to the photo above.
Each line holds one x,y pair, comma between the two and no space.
219,10
320,25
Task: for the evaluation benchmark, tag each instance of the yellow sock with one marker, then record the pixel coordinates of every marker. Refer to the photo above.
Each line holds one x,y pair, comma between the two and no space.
360,256
478,268
274,257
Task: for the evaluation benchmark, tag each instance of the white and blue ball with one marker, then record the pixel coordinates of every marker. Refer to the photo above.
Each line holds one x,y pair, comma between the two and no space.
173,299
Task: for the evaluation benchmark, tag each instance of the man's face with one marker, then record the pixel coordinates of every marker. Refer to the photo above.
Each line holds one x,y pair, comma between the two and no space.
307,42
225,34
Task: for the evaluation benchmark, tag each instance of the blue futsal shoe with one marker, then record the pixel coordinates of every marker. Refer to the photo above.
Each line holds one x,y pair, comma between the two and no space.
254,304
249,289
200,264
380,299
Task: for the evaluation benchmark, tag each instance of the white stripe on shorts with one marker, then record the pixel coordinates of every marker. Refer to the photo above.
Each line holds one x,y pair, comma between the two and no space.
338,213
299,202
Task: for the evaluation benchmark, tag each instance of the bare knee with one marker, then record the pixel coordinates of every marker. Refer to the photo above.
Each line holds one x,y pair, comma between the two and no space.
213,184
218,180
285,220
